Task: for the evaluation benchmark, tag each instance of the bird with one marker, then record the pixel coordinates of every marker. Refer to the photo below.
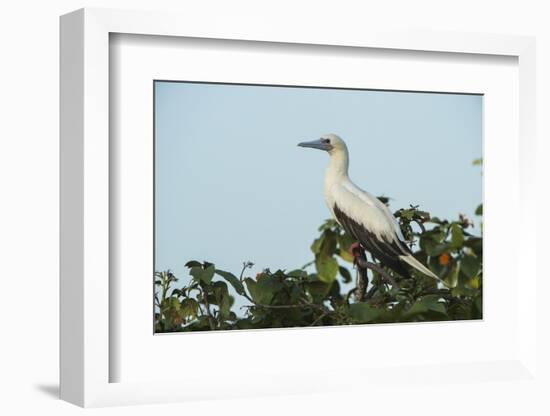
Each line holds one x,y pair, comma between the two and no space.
361,215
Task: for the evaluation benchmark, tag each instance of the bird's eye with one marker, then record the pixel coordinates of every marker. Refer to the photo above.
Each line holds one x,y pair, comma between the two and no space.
325,140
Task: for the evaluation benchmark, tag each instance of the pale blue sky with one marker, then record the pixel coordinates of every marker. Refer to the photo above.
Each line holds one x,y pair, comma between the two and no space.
231,184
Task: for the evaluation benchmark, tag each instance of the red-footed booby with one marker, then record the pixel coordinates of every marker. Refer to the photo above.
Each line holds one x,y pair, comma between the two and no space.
362,215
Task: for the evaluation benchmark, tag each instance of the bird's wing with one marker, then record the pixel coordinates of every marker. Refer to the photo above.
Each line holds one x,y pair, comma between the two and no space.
370,212
369,222
386,250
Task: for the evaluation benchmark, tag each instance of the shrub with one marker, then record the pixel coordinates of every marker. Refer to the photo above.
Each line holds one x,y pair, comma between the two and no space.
298,298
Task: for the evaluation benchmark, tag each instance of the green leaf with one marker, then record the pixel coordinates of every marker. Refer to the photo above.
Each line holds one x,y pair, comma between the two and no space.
474,283
189,308
328,224
233,280
436,235
328,246
196,272
423,215
316,246
432,242
335,290
426,304
178,292
346,256
407,213
346,275
223,300
263,290
203,275
479,210
327,268
363,312
297,274
476,244
193,263
477,304
457,236
470,266
344,243
432,249
318,289
436,306
208,274
174,303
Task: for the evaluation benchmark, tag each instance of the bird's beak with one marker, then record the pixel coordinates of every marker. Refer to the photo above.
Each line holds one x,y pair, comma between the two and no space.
316,144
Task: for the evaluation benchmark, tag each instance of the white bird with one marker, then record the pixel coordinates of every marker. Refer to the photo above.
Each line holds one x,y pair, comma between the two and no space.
363,216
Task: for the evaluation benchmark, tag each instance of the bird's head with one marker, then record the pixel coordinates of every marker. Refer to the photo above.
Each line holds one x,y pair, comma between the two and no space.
330,143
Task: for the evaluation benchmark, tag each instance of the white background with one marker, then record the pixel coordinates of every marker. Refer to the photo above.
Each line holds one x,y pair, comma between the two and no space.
29,209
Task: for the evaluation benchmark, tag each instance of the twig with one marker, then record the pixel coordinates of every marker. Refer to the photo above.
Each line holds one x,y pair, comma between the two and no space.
208,312
444,294
307,264
319,318
420,225
371,292
246,265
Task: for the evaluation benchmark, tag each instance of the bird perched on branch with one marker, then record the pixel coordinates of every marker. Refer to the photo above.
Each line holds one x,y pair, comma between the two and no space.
362,215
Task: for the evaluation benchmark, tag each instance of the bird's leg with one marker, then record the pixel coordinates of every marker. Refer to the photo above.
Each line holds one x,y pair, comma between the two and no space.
359,258
355,249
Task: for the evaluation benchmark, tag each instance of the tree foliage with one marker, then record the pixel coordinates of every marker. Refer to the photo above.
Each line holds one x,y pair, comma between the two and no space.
297,298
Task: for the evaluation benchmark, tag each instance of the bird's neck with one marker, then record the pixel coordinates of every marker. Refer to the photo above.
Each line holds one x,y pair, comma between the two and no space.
338,165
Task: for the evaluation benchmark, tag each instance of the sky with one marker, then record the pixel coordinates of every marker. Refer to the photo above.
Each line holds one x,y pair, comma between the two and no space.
231,185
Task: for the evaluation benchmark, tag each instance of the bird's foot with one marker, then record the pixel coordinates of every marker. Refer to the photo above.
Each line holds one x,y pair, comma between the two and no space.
356,251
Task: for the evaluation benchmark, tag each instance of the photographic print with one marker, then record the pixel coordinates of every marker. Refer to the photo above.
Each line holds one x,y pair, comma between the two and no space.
290,206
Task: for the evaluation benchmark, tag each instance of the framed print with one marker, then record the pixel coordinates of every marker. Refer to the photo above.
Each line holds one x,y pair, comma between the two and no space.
197,215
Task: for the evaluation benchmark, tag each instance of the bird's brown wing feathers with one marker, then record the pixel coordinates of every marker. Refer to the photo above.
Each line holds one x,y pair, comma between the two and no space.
386,251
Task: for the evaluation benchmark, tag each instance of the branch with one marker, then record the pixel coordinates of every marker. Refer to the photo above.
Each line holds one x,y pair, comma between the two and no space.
420,225
297,305
362,283
362,263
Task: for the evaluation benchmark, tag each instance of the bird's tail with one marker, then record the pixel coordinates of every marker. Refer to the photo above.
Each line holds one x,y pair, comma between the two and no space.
411,261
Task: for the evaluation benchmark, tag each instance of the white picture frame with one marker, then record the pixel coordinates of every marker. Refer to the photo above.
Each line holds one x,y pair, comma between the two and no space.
85,211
